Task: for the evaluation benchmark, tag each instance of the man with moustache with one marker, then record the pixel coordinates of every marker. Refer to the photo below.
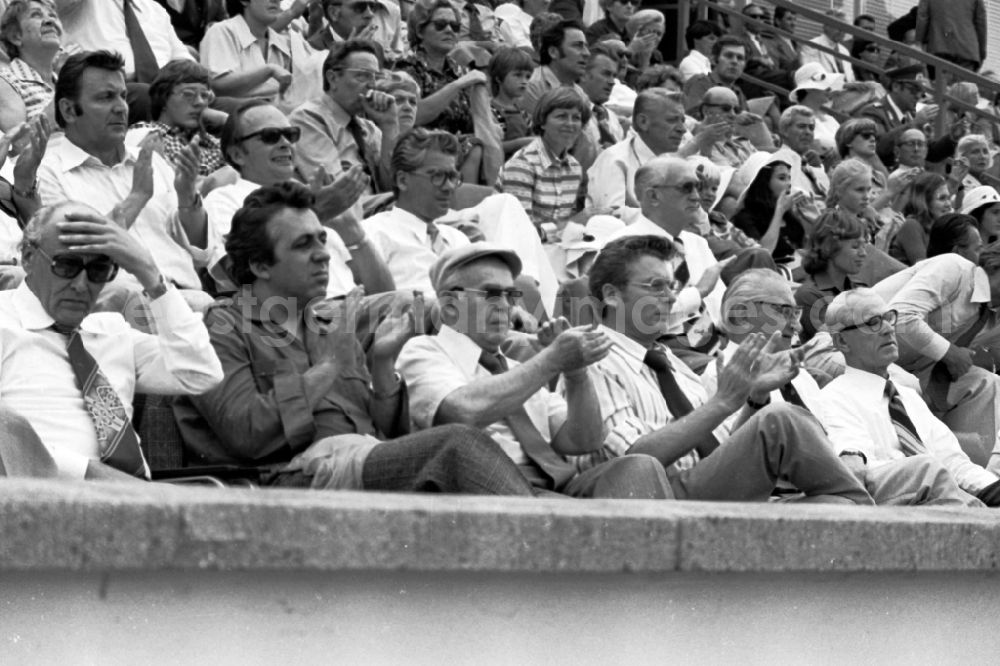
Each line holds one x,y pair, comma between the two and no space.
651,403
461,375
298,398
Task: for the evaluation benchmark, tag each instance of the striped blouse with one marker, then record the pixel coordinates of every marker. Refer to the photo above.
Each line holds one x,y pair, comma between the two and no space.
546,185
35,92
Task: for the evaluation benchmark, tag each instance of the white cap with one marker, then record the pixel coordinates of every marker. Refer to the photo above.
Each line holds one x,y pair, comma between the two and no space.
812,76
977,197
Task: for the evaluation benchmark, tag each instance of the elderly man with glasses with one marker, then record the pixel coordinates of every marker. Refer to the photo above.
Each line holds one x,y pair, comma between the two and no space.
351,123
874,419
72,373
652,403
462,375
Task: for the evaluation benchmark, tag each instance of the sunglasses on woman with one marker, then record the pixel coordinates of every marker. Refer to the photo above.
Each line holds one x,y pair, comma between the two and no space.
441,24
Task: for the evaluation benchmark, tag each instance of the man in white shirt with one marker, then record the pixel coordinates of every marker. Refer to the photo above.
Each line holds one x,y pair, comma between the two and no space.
658,124
81,414
377,20
761,301
515,21
942,301
424,179
872,418
102,24
700,37
92,163
349,112
461,375
259,142
652,403
831,38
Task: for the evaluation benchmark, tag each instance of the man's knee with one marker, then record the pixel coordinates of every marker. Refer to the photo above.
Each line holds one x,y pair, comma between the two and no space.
635,466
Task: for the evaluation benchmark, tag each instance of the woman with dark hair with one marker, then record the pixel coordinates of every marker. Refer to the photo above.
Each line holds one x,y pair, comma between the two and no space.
767,210
869,53
983,204
446,105
926,199
837,250
956,233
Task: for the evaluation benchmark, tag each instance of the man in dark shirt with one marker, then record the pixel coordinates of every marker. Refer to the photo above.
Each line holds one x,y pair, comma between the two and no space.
298,397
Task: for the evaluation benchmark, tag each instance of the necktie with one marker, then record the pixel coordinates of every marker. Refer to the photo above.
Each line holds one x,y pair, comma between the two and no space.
438,243
681,271
476,33
792,396
359,135
909,440
603,127
677,401
142,53
527,435
818,189
118,440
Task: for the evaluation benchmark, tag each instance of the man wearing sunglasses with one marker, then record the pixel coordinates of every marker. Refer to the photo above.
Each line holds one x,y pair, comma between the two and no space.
948,337
352,123
375,20
651,403
716,136
259,142
761,301
72,373
94,164
299,396
871,416
462,375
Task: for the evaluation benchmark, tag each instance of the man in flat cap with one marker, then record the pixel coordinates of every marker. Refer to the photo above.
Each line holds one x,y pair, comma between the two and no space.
461,375
299,398
897,112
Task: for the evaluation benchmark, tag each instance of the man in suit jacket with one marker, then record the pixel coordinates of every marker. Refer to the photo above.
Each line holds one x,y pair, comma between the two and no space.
831,38
954,30
784,50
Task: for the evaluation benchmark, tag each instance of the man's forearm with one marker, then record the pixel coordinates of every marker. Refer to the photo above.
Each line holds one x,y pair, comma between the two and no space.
583,431
677,438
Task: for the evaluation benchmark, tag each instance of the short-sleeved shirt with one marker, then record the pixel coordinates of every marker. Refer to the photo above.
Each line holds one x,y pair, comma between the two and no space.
35,93
546,185
229,46
457,116
176,138
434,366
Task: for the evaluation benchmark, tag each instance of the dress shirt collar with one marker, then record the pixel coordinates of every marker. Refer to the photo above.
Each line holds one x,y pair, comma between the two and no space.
407,220
643,226
643,153
547,158
26,72
73,156
337,112
246,39
862,380
32,314
461,349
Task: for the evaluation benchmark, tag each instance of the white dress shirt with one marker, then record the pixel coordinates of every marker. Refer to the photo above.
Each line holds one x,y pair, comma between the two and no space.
37,380
515,25
632,404
402,240
829,63
857,418
611,179
695,63
223,202
434,366
699,258
68,172
100,24
937,299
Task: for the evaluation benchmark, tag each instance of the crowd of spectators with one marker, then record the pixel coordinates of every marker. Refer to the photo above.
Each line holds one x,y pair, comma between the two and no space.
455,246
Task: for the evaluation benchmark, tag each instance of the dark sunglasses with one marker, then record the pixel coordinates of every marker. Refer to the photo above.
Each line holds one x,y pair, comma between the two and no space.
99,269
272,135
873,48
494,293
441,24
868,134
874,324
725,108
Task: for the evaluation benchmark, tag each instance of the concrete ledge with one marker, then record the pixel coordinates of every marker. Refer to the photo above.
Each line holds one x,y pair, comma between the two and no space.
80,527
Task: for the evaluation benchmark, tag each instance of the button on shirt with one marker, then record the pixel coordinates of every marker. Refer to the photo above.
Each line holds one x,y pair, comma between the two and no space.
37,381
857,417
632,404
67,172
434,366
326,140
223,202
546,185
402,239
100,24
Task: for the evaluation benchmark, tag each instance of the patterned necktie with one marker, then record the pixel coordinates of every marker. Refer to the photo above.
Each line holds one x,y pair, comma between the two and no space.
146,68
438,242
909,440
118,441
476,33
603,126
359,135
534,445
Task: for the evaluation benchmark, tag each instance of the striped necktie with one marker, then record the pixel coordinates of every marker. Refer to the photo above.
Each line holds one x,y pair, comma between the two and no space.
117,439
909,440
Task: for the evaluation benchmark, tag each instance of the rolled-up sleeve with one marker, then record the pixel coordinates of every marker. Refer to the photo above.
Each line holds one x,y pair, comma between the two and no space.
430,376
925,293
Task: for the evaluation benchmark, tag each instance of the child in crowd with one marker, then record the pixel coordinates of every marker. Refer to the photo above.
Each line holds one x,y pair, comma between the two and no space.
509,71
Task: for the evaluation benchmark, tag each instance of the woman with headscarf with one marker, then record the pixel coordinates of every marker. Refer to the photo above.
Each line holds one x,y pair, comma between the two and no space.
767,210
